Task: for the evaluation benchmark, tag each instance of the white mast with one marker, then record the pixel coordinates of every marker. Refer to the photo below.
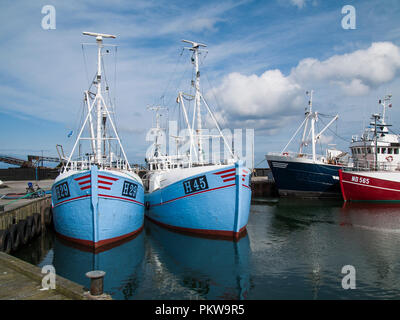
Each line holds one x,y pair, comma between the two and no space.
99,40
308,113
384,104
195,49
102,115
157,129
313,116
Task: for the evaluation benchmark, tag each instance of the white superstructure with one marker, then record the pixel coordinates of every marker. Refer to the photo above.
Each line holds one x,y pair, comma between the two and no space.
377,148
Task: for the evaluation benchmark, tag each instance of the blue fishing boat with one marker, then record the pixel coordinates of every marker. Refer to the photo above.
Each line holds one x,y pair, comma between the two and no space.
192,194
304,175
97,199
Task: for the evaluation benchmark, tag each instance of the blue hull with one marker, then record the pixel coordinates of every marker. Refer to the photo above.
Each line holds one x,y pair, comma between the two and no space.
221,209
96,207
308,180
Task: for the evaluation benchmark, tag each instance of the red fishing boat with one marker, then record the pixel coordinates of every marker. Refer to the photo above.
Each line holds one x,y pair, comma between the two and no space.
375,175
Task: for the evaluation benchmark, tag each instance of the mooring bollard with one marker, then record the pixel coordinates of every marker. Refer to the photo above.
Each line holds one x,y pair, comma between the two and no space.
96,282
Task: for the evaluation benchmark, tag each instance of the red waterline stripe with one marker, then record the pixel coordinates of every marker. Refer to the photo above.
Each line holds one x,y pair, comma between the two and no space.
106,188
100,243
226,171
204,232
120,198
245,171
87,187
189,195
228,175
109,178
76,198
105,182
84,182
227,180
83,177
246,186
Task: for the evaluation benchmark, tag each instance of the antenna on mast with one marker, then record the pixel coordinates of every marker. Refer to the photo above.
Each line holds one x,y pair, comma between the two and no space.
194,44
383,102
99,36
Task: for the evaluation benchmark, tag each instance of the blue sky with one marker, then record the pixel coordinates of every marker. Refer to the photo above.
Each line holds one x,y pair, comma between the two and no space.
262,57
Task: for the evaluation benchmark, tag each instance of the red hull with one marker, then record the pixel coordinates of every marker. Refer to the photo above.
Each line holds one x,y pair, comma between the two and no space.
358,187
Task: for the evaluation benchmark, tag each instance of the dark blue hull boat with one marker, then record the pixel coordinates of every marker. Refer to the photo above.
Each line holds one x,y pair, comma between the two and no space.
305,179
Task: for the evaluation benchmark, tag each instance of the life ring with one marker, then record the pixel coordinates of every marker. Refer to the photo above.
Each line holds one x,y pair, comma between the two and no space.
285,154
389,158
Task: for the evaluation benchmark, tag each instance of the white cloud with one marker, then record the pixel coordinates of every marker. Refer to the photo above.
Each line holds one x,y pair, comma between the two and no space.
353,88
359,70
299,3
250,99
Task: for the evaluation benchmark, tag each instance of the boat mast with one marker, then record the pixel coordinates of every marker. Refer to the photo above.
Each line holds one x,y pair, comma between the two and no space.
309,114
157,129
101,116
384,104
195,49
375,117
313,115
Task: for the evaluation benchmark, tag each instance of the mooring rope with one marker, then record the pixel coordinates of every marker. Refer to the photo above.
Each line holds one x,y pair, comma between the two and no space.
26,195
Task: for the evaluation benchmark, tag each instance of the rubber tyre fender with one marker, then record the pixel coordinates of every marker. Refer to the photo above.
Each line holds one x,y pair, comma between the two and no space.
15,237
23,231
47,216
5,241
38,223
31,227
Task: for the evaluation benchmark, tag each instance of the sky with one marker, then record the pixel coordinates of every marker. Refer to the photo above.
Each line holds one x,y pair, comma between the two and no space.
262,56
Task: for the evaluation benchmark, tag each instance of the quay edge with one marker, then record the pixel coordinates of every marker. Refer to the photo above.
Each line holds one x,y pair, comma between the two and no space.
64,287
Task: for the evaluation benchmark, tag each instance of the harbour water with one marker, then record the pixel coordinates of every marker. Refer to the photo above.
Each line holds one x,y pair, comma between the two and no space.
294,249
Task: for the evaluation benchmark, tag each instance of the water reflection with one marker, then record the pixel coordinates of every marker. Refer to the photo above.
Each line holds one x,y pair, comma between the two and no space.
209,268
293,250
379,239
383,217
122,265
38,251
